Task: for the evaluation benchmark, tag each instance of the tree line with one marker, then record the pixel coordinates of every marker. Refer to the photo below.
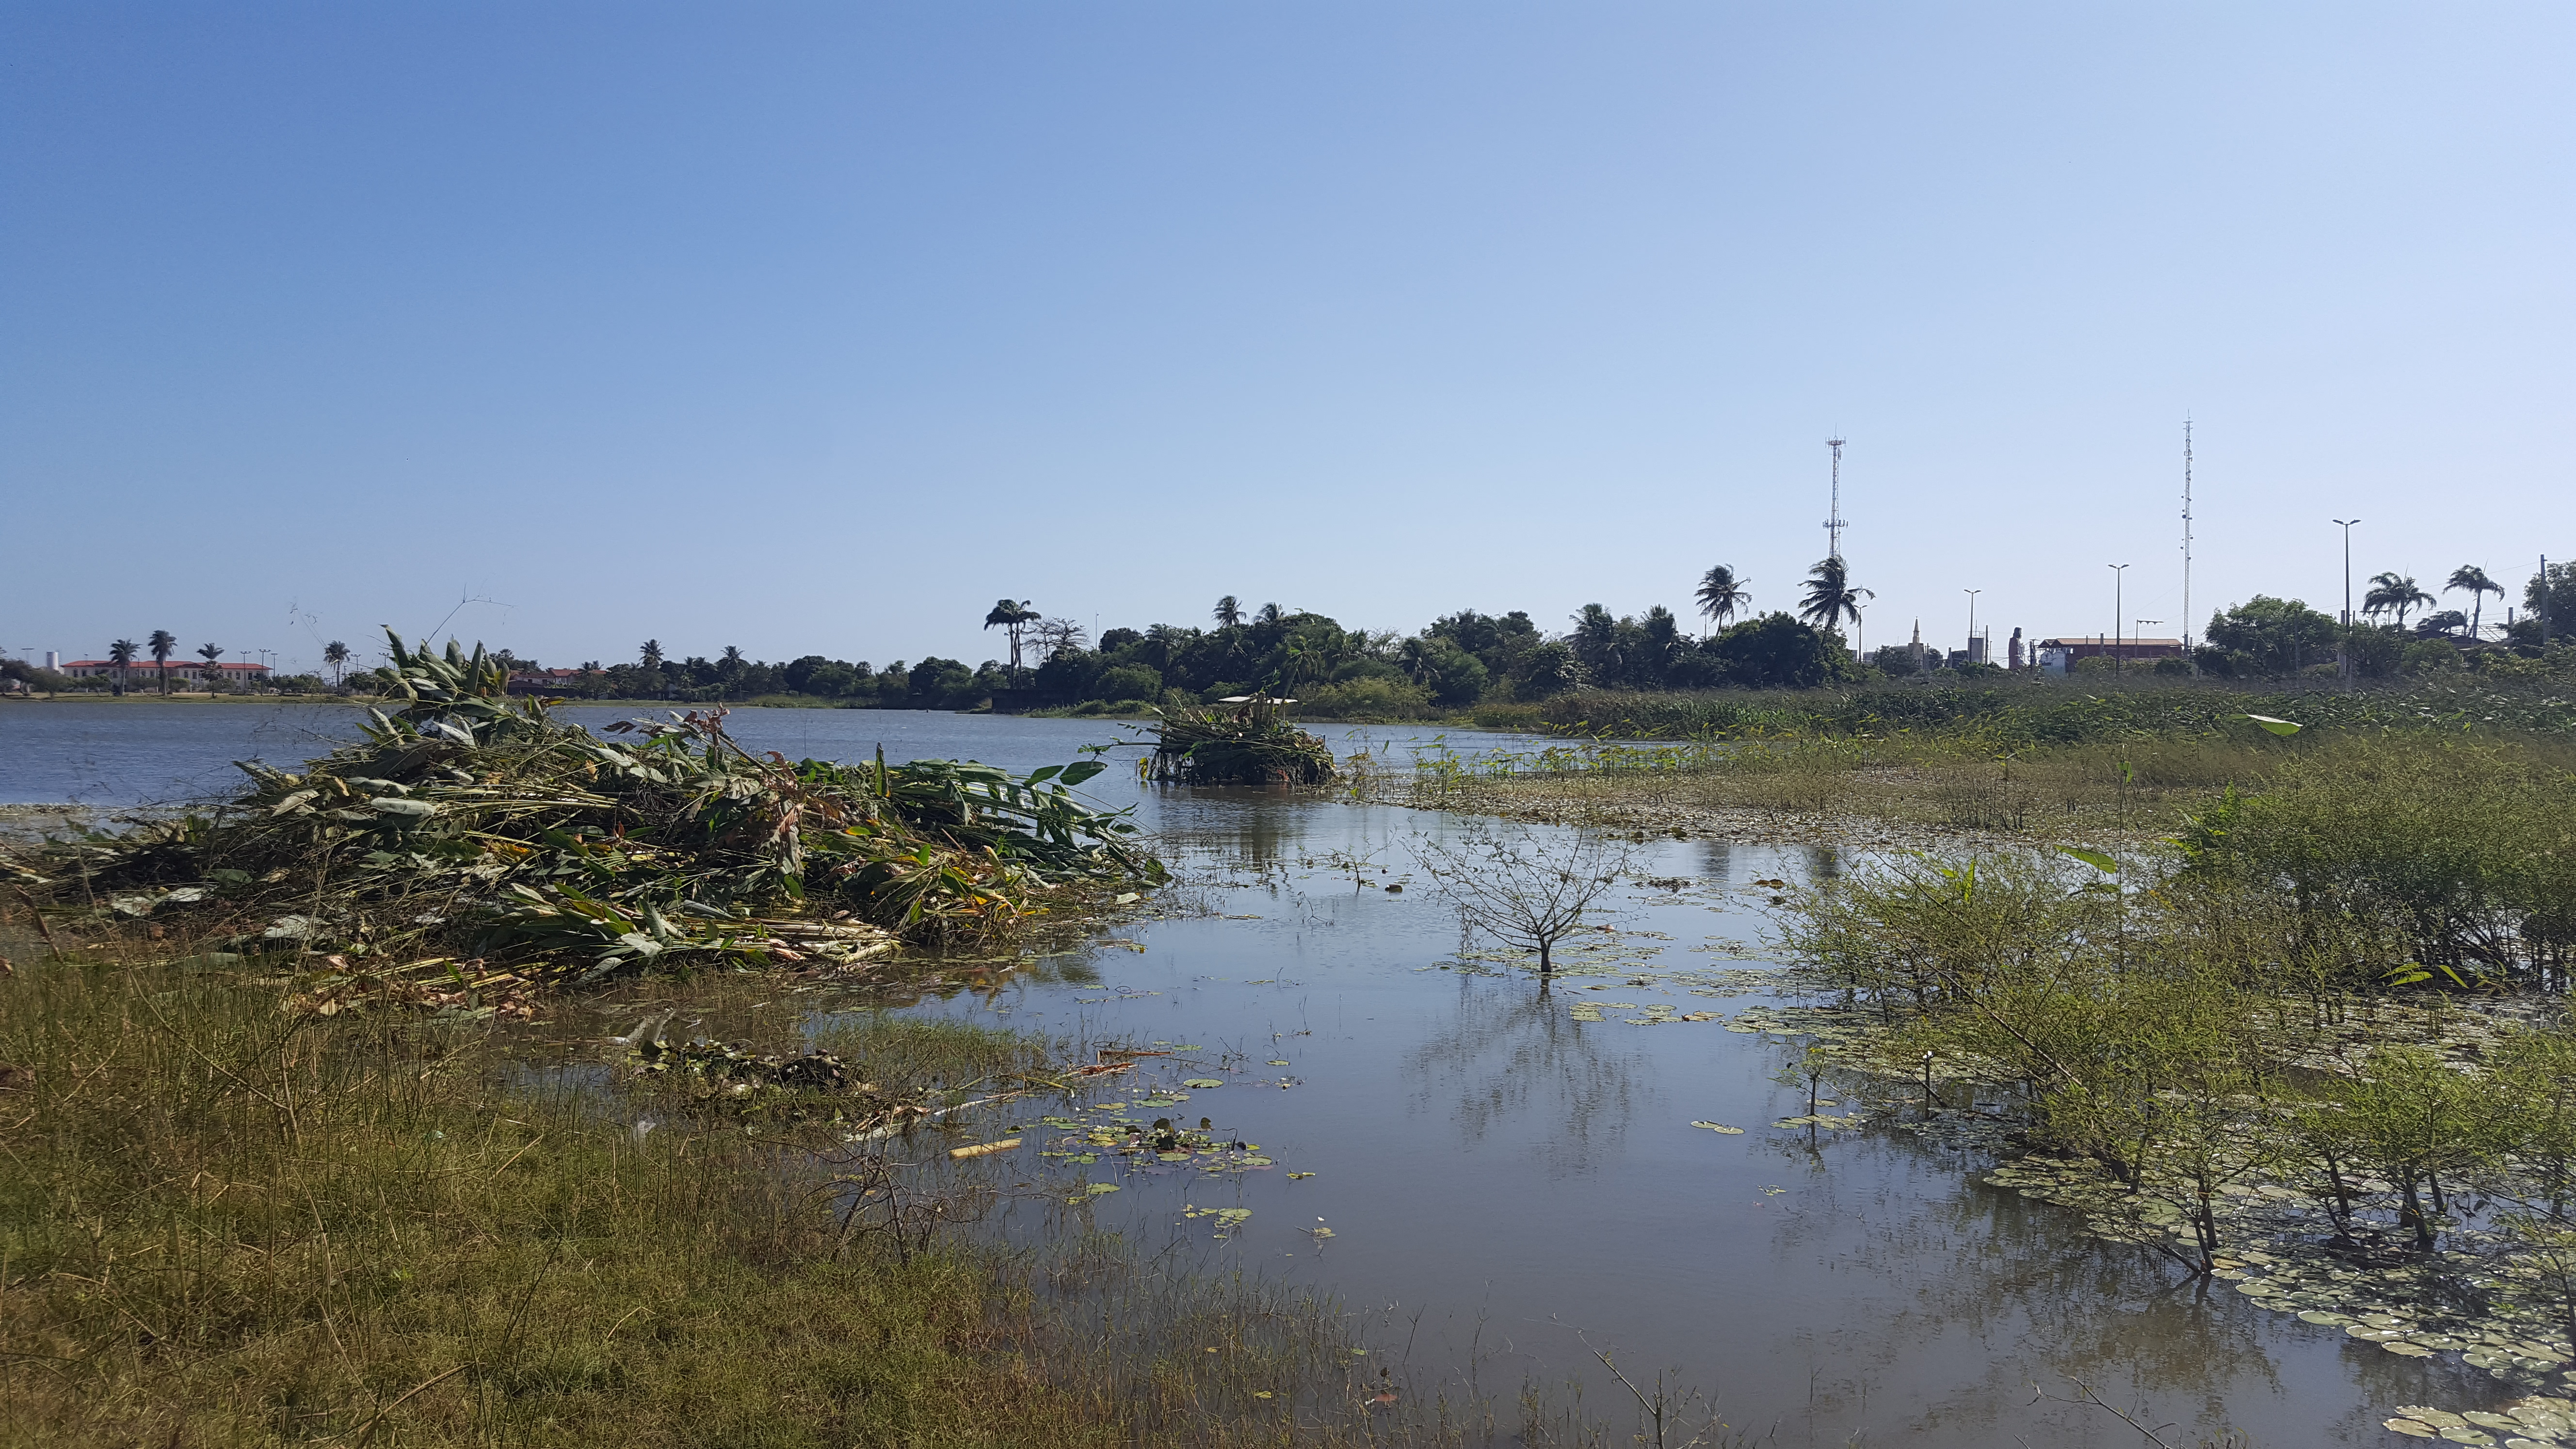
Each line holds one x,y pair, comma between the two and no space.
1471,657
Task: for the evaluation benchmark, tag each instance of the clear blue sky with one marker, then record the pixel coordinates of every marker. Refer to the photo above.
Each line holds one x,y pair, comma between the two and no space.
819,327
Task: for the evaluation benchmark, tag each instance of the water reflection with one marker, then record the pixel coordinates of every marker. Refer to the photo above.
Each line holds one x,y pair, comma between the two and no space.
1717,861
1510,1054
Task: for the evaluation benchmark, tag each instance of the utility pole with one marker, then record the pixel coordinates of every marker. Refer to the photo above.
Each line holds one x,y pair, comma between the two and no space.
2186,546
1834,521
2119,579
1972,619
2343,655
2544,600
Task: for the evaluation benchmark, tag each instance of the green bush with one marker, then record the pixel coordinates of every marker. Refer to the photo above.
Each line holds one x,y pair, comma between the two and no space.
1128,681
2430,656
2465,848
1776,652
1367,699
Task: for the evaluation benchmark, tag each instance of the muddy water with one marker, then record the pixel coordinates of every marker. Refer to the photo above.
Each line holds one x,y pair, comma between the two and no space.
1509,1184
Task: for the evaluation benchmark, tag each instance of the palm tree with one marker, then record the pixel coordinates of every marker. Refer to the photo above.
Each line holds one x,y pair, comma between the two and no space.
162,643
1271,614
1013,617
1229,612
121,654
336,654
1830,595
2393,593
1722,594
2475,580
732,660
210,653
652,653
1596,641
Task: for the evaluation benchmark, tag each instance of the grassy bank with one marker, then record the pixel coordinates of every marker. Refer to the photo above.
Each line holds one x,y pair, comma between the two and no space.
2061,711
2127,774
228,1224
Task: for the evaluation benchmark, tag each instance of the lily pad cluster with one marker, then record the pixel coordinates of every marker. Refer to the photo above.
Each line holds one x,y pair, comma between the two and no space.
2537,1422
1120,1130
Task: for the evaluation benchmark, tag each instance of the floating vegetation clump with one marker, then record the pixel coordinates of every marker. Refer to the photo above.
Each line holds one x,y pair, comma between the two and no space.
471,831
1246,745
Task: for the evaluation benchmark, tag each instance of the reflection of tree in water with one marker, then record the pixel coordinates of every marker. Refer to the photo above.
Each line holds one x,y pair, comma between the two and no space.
1717,861
1521,1067
1824,862
1247,836
1980,1292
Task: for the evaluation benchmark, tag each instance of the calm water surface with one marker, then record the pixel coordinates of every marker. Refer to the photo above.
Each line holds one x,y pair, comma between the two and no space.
1498,1175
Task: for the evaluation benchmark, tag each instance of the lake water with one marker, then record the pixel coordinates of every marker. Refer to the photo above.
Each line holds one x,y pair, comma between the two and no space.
1504,1180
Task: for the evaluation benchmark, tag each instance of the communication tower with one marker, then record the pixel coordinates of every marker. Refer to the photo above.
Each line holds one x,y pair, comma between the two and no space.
1834,524
2186,541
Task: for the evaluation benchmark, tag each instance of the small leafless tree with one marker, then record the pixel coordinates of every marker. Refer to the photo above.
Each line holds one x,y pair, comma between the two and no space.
1055,636
1518,889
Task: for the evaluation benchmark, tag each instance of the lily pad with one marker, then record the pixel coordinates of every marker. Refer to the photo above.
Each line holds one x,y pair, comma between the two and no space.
1202,1083
1720,1127
2411,1428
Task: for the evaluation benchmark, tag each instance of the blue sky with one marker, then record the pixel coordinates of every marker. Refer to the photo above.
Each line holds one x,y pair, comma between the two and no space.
816,328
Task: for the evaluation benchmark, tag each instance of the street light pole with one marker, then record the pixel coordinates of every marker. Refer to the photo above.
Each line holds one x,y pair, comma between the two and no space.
1972,620
2343,654
2119,580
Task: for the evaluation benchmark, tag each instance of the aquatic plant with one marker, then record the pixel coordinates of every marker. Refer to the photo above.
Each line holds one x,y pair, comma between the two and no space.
471,824
1248,744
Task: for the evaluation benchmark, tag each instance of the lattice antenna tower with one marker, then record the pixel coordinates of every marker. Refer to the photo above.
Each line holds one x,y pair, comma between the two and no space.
2186,536
1834,524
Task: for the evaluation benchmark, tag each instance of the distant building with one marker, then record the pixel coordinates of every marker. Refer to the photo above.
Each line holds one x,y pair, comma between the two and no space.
541,681
198,672
2057,656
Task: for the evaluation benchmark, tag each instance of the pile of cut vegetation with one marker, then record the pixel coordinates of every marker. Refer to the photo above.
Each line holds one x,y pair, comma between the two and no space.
476,833
1245,742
